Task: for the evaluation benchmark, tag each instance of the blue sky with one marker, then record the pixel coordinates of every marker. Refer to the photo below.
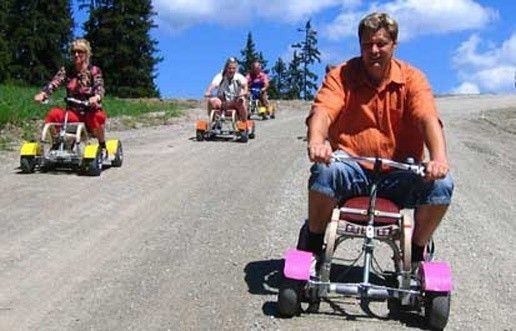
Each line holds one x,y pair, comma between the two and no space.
463,46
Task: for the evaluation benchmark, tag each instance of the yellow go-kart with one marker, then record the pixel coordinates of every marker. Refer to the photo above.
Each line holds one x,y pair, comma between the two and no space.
71,149
255,107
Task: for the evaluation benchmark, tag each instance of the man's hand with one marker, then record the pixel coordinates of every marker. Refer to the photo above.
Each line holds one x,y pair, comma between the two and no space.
436,169
319,152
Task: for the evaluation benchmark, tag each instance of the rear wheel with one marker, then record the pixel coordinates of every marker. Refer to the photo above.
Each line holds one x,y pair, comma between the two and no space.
119,156
244,137
199,135
92,167
289,297
27,164
437,309
46,165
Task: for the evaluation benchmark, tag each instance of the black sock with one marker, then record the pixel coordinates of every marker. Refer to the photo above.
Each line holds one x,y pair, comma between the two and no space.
315,242
309,241
417,253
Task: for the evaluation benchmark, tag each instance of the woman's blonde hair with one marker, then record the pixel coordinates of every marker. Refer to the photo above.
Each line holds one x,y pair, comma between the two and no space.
82,45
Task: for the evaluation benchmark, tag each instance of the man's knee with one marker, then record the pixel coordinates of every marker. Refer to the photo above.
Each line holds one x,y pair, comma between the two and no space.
322,178
442,191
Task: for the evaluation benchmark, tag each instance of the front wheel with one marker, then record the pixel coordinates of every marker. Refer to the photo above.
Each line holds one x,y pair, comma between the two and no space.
92,167
199,135
289,297
119,156
27,164
244,137
437,309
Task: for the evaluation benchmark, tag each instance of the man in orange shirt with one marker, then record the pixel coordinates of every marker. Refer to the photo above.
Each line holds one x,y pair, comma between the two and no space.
377,106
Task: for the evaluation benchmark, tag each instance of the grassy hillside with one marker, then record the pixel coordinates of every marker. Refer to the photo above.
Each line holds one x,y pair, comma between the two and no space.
21,117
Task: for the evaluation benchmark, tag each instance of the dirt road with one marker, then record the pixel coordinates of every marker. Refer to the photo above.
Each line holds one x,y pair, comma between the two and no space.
190,235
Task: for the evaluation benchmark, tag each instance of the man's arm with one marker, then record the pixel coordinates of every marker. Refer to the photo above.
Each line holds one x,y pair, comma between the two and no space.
319,149
435,142
328,103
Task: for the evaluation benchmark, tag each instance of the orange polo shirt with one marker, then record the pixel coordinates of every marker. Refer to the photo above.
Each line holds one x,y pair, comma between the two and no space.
376,121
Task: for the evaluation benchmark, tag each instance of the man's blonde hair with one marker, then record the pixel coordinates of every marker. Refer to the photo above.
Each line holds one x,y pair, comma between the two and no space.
376,21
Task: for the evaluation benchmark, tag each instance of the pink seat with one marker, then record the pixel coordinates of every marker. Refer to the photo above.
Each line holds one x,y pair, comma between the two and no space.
382,204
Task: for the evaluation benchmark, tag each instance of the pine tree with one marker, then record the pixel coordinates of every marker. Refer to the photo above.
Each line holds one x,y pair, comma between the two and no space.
39,33
5,54
278,82
309,54
119,32
295,81
249,55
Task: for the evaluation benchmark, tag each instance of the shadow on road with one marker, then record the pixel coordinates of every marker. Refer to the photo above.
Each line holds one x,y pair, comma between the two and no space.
263,278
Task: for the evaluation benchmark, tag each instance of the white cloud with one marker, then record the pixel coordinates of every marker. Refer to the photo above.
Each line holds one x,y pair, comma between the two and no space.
176,15
417,17
491,70
466,88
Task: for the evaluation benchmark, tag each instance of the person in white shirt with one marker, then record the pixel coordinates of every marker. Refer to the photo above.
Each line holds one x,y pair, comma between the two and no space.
231,89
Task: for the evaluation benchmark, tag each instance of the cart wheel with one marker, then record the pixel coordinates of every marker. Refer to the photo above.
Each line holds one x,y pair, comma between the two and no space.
437,309
45,166
199,135
27,164
273,116
395,308
93,167
244,136
289,297
119,156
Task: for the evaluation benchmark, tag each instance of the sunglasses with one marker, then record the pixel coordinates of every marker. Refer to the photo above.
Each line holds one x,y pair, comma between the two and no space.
80,51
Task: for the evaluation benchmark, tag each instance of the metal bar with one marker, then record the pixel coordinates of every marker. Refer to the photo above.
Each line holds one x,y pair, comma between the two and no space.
363,212
370,291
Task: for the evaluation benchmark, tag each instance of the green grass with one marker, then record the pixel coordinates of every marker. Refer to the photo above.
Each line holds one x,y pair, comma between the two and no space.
17,105
21,118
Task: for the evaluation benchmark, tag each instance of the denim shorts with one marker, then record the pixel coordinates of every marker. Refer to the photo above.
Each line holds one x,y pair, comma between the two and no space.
344,180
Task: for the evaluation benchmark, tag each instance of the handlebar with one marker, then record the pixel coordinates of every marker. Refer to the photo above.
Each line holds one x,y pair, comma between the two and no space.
255,92
77,102
418,169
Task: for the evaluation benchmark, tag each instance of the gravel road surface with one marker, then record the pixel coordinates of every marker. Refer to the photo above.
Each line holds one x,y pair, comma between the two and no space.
190,235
